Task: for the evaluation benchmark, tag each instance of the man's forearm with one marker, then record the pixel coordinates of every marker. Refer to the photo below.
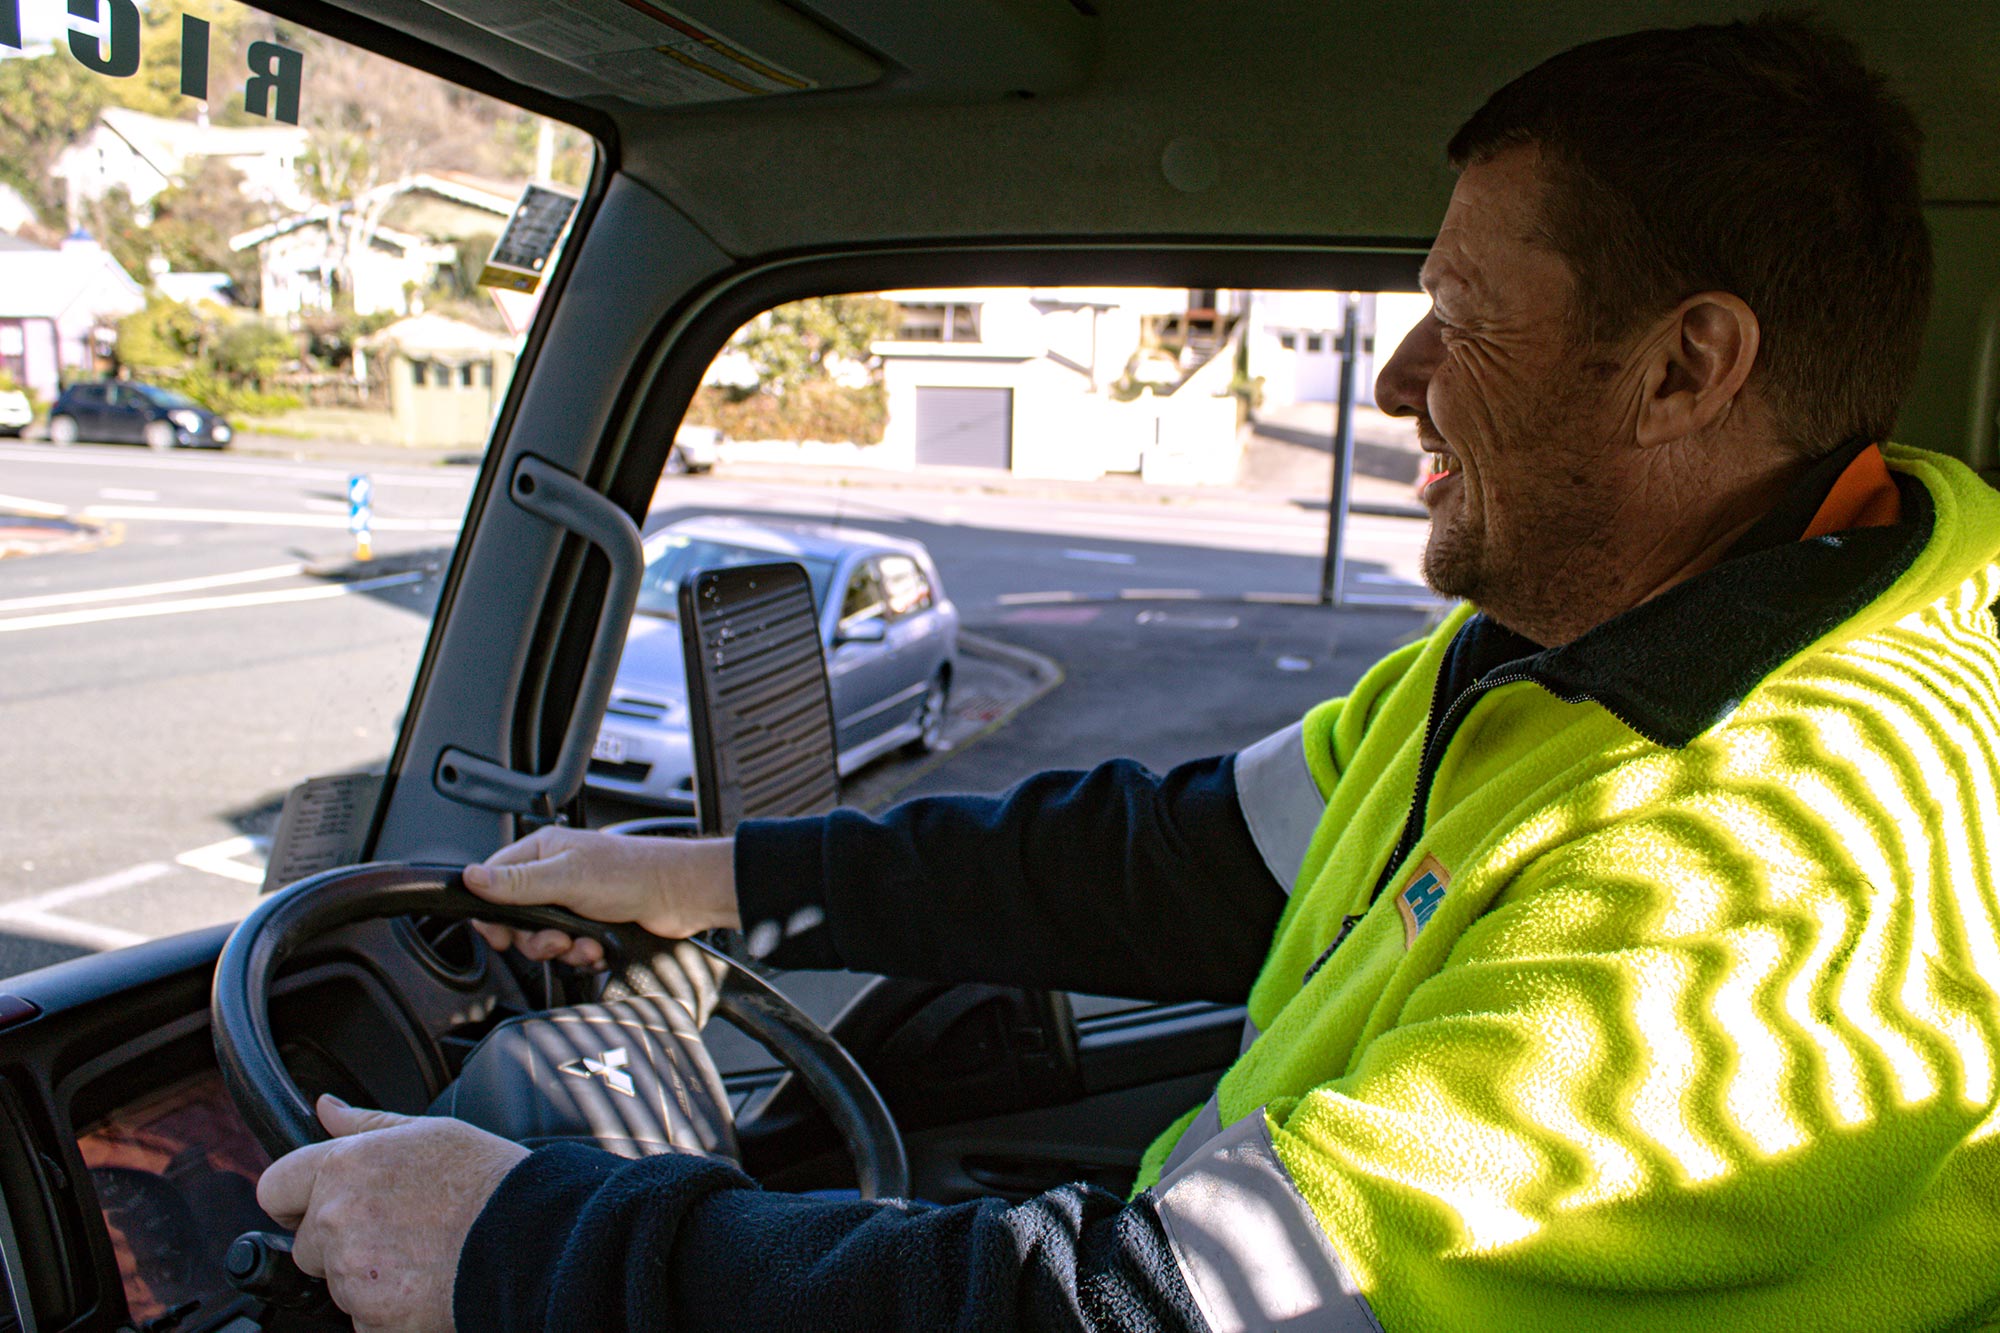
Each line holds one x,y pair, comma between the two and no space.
1117,881
578,1239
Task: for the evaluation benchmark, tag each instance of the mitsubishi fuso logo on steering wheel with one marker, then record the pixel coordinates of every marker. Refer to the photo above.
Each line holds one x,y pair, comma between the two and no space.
607,1065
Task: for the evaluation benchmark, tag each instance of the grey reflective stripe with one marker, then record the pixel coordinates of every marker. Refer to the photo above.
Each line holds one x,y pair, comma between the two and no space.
1249,1247
1199,1131
1250,1034
1281,802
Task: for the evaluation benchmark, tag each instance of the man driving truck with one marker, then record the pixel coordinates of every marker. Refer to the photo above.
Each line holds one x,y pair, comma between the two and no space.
1620,954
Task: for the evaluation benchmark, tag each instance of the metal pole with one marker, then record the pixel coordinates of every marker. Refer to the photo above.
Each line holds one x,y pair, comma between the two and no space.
1343,460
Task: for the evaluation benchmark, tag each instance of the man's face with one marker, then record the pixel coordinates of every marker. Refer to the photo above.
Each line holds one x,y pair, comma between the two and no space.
1525,421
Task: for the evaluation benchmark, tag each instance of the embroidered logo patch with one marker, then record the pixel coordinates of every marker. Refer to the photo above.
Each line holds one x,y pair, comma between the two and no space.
1421,896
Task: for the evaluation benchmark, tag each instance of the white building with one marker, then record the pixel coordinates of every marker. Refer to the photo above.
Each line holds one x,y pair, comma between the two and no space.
377,248
58,309
1063,382
1294,341
147,154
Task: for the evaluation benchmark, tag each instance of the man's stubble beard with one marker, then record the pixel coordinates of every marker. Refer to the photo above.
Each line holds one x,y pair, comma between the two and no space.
1521,574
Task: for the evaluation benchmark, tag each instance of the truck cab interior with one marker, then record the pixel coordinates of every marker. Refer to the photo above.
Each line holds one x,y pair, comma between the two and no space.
806,148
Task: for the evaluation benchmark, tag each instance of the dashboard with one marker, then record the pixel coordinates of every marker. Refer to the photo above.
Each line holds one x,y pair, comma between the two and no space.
125,1168
175,1175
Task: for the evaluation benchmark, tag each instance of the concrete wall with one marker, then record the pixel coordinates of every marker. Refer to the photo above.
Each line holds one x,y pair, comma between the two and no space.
1196,440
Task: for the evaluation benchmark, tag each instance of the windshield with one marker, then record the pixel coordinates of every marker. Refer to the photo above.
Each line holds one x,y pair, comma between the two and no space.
206,206
682,556
165,397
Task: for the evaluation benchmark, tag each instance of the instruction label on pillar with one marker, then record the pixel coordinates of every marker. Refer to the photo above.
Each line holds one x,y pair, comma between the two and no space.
324,825
522,253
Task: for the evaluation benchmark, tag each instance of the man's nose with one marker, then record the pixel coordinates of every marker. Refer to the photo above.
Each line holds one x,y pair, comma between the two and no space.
1404,380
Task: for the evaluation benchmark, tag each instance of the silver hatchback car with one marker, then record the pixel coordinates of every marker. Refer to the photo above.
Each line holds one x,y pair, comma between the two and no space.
890,634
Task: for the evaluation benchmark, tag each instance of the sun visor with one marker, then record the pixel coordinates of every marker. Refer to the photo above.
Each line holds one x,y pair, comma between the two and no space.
678,55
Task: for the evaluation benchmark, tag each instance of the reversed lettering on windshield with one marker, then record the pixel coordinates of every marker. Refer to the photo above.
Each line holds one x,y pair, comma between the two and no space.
104,36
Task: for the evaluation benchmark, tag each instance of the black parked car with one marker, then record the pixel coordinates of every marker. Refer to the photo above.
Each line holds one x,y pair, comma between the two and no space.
119,411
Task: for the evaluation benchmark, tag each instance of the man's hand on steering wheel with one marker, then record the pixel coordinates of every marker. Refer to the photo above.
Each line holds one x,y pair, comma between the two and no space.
673,887
382,1210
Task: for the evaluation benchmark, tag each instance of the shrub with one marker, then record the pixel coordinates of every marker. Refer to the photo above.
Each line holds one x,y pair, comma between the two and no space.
813,410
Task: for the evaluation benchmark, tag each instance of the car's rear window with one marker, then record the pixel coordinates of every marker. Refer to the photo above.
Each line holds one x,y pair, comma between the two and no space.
681,557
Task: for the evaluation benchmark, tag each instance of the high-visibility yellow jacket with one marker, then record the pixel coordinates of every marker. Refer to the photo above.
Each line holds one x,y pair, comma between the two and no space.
1671,1003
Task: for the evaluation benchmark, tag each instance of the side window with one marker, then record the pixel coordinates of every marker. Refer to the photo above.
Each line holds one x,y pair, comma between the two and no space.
904,586
89,395
864,599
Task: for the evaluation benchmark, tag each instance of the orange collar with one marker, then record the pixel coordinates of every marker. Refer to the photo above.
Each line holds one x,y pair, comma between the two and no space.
1864,496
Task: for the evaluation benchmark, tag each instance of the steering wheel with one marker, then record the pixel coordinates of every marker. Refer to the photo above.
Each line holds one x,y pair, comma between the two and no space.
695,977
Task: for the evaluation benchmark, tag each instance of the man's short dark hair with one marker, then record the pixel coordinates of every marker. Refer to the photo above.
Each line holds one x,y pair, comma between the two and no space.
1761,158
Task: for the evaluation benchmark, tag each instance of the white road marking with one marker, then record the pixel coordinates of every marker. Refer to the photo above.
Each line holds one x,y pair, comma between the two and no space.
121,493
68,930
219,858
267,518
1160,594
38,916
135,590
39,508
1102,557
192,604
1032,598
71,458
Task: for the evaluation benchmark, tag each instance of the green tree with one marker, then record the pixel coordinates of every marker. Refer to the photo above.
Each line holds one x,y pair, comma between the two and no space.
46,102
156,88
251,351
193,221
165,336
797,343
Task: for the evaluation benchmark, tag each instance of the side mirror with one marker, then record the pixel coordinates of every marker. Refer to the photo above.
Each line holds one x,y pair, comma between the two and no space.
871,630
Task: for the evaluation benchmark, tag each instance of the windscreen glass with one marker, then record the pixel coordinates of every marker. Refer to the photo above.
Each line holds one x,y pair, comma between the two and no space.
676,557
254,334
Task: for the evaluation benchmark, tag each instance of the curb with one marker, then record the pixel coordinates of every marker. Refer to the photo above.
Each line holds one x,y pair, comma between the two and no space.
1046,672
982,482
31,527
1043,673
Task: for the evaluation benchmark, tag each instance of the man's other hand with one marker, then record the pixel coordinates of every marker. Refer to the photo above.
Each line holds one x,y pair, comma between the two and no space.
382,1211
673,887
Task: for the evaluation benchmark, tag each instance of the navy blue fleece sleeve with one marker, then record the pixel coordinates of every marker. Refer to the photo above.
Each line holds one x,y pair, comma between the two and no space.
1117,881
578,1239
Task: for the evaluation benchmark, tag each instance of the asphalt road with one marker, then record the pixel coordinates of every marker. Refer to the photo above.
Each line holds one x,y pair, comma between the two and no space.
159,694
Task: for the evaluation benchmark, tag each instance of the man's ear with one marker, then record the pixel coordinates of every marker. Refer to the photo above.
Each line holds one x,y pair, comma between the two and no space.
1699,364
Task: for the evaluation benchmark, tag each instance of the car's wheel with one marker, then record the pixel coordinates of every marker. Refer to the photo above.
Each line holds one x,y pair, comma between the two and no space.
932,716
62,431
159,435
677,464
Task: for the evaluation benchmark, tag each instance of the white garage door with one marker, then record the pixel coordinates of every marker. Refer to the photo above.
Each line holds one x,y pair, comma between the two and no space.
965,427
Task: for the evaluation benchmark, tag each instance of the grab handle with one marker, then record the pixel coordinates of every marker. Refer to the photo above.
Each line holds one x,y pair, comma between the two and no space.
550,493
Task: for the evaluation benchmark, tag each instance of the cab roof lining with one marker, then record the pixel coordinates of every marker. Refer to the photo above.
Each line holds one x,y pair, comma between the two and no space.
1301,119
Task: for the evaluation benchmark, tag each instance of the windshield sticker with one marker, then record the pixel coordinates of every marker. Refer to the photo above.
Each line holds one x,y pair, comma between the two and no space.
523,250
103,37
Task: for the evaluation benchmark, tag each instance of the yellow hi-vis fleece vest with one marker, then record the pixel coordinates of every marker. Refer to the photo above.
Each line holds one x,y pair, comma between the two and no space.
1680,1013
